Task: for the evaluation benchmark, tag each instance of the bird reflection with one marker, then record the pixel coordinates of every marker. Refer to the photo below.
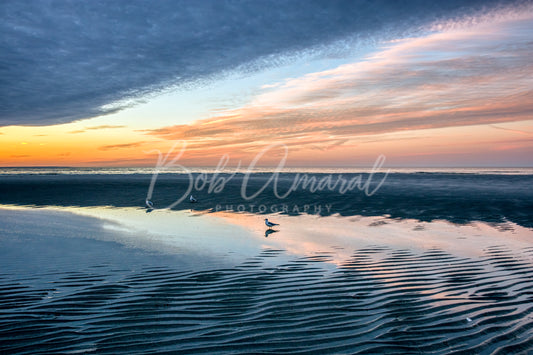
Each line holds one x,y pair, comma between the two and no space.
269,232
149,206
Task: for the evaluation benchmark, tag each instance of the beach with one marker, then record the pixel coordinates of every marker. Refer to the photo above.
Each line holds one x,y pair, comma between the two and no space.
266,177
104,278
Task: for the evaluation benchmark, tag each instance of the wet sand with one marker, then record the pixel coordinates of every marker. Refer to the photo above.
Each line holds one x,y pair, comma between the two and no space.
120,280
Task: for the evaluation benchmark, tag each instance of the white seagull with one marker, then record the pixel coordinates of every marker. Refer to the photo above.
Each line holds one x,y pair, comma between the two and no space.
149,204
192,199
270,224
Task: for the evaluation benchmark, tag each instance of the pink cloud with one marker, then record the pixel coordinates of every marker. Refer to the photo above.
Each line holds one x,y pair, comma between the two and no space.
474,72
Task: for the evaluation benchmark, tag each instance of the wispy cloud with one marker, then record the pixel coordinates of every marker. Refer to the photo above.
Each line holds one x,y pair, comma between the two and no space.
106,126
121,146
96,128
513,130
470,72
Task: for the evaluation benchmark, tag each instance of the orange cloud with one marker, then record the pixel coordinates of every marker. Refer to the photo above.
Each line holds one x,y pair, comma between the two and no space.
54,145
121,146
96,128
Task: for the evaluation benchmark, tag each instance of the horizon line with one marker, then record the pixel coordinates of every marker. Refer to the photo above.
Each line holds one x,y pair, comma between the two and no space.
270,166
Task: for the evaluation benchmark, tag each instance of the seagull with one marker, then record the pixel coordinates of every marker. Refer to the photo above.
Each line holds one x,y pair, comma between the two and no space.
149,204
270,224
192,199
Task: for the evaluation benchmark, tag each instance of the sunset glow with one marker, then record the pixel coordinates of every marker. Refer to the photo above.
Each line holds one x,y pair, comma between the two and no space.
456,93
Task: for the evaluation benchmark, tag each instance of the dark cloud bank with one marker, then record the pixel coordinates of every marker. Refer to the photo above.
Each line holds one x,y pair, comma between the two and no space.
62,60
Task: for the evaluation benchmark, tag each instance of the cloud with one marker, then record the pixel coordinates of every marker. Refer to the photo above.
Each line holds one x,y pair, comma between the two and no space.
67,60
105,126
121,162
121,146
96,128
513,130
471,73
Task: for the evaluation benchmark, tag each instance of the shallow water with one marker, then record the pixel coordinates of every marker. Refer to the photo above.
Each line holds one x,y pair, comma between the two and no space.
120,280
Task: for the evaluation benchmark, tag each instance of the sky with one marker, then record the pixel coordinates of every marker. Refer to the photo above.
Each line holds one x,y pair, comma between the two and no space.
339,83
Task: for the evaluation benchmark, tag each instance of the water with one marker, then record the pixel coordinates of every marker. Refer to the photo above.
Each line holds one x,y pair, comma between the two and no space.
177,282
409,269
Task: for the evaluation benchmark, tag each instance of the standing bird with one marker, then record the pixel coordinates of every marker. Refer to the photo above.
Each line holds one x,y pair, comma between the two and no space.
192,199
149,204
270,224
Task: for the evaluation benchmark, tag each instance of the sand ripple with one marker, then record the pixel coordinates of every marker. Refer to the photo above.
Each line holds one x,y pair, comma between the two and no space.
379,301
